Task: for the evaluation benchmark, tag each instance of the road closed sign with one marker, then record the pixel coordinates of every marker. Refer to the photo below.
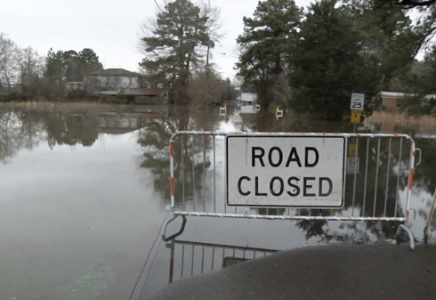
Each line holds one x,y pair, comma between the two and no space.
298,171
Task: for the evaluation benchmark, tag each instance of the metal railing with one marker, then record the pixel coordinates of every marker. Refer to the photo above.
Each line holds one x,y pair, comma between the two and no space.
378,179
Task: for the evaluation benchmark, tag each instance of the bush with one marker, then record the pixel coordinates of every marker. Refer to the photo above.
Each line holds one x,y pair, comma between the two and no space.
120,98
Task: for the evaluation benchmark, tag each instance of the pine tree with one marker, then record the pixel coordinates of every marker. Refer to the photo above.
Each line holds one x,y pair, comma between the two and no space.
328,63
172,45
265,44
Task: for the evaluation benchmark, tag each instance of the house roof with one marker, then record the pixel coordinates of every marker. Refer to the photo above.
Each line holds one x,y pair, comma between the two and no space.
402,95
392,95
115,72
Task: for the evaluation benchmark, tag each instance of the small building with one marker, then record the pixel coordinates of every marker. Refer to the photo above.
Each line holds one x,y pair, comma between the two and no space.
392,101
248,99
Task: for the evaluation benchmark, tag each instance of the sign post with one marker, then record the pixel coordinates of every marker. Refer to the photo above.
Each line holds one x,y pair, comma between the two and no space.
299,171
356,106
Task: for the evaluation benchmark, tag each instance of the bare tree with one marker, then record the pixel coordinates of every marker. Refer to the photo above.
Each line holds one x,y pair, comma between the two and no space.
30,69
8,67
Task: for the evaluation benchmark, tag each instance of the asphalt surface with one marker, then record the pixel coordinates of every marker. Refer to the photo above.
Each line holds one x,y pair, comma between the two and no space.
321,272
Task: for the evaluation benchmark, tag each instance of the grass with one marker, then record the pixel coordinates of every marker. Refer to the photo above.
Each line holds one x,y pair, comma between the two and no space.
391,121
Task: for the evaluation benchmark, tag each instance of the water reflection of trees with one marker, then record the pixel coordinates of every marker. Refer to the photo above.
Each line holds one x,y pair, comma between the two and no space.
18,130
265,121
154,138
26,126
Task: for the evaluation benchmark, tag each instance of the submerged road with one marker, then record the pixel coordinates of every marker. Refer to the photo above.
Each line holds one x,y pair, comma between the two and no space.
381,271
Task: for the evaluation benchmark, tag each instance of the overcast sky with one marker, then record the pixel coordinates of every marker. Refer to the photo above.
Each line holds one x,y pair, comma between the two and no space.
111,28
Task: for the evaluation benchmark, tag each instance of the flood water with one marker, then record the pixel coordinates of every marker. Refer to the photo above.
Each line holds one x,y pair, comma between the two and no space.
84,190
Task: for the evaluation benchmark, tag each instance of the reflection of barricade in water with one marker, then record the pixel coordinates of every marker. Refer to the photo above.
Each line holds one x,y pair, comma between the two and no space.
189,258
257,107
377,180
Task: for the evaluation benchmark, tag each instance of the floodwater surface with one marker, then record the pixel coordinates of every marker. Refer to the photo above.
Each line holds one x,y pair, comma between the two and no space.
84,190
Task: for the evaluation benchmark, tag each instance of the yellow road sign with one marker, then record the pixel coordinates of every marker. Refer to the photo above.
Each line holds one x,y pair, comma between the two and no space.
352,150
356,116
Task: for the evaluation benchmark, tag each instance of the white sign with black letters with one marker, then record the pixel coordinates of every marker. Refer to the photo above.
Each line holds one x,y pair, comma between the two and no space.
357,101
301,171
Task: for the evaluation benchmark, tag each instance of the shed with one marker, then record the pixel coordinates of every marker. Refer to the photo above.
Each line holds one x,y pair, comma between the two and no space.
248,98
391,101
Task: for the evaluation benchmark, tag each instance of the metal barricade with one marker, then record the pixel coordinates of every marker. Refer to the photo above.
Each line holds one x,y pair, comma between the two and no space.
188,258
377,182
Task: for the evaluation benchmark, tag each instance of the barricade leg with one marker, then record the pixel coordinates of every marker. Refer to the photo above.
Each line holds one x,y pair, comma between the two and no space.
410,234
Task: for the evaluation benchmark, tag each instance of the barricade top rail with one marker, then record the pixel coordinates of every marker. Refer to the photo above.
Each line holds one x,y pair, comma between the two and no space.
319,134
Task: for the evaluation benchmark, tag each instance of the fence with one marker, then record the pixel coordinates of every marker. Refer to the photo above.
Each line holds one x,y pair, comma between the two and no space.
373,177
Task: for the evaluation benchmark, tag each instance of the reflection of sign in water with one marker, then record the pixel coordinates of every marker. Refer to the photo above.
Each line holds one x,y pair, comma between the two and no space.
357,101
248,109
356,116
353,165
285,170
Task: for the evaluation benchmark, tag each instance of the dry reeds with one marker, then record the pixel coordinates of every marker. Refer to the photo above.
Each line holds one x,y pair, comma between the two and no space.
391,120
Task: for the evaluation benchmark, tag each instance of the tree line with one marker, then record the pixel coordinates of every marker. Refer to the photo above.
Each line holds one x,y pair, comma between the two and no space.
25,74
309,59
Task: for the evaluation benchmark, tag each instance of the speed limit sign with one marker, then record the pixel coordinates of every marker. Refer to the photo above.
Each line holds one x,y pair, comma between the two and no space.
357,101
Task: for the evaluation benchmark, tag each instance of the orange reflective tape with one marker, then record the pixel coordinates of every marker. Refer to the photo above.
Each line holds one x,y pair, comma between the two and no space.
396,135
171,149
413,153
358,135
412,173
172,186
408,213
